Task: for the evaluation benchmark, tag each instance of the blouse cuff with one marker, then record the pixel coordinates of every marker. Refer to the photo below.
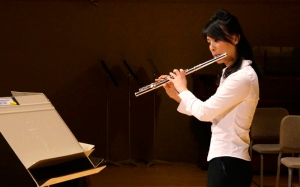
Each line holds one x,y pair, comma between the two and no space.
182,105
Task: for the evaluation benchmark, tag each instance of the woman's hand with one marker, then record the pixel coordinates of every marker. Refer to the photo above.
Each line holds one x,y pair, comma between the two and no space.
178,78
169,88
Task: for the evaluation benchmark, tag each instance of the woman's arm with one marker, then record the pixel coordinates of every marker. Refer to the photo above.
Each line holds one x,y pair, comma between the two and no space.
232,92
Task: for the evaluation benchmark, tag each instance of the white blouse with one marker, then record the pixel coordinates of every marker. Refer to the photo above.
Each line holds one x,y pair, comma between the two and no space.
230,110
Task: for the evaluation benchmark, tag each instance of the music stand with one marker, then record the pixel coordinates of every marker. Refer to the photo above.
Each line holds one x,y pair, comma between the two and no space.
154,73
129,161
108,75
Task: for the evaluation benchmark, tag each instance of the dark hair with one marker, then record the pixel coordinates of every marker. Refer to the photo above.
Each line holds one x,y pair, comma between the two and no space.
222,26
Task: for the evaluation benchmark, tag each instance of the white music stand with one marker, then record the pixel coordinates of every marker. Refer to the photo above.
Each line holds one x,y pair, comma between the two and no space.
41,144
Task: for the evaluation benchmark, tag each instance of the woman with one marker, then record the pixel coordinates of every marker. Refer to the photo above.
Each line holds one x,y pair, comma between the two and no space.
231,108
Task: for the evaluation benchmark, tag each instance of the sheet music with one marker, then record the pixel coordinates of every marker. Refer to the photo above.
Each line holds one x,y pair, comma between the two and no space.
7,101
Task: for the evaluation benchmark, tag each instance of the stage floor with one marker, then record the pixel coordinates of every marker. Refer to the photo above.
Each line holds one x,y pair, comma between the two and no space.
166,175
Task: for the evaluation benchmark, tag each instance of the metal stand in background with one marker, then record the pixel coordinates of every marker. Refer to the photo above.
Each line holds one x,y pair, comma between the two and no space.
108,75
94,2
129,161
154,161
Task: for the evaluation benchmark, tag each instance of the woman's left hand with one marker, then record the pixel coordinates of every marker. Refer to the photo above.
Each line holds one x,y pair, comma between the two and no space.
178,77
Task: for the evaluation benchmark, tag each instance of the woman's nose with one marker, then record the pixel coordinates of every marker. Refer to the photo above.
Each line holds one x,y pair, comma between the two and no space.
211,47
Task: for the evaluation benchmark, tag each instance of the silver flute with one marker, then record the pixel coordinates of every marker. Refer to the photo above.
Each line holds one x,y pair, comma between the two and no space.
156,85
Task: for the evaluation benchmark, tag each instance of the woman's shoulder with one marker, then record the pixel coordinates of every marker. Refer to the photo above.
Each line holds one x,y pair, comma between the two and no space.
246,73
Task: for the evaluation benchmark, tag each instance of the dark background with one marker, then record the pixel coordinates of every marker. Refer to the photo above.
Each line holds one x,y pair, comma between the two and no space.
55,47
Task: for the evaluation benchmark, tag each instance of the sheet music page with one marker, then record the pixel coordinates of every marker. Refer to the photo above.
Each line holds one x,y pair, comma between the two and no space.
7,101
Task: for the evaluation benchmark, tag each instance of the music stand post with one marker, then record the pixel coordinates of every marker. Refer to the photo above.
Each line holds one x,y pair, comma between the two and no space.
108,76
129,161
154,161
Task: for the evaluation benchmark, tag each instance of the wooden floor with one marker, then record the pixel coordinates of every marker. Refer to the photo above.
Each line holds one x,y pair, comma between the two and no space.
165,175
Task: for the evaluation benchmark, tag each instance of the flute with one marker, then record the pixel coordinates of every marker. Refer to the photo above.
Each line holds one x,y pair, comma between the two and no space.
156,85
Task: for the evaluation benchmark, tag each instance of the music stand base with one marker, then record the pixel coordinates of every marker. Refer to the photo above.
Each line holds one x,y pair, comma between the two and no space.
155,161
111,163
128,162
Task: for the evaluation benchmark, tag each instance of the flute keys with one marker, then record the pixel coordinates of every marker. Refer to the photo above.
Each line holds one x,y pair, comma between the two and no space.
152,85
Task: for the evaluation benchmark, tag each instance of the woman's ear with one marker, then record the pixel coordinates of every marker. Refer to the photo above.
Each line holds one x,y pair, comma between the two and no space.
235,39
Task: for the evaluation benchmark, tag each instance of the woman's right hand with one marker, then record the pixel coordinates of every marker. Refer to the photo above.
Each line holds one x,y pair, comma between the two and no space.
169,88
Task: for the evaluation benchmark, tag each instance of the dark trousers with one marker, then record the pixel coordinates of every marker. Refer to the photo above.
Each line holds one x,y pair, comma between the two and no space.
229,172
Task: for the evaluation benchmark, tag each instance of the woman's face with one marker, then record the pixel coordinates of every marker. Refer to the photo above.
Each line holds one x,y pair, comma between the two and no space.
218,47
